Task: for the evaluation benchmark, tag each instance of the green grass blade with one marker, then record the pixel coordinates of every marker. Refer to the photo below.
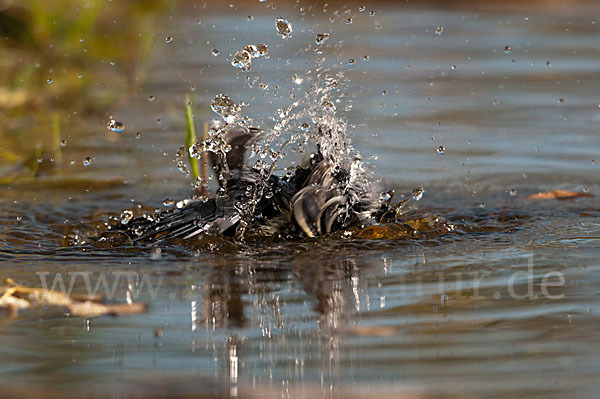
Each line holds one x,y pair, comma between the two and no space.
190,137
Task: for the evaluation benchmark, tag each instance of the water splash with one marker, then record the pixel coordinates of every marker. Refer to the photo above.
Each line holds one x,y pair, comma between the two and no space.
226,108
307,124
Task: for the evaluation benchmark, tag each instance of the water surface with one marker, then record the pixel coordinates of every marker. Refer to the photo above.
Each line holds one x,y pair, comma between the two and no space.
480,312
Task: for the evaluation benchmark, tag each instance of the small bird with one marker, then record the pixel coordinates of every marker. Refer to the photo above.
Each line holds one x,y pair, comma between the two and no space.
316,200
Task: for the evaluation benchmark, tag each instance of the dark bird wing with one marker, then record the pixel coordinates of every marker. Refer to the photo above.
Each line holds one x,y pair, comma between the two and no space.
320,201
239,138
191,220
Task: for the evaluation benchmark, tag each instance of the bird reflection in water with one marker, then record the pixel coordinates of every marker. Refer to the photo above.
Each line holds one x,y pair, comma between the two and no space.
247,296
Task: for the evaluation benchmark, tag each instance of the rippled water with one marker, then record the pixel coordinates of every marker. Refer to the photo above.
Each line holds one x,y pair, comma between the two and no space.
480,312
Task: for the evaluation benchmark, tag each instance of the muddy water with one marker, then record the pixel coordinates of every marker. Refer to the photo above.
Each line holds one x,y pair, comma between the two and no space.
505,306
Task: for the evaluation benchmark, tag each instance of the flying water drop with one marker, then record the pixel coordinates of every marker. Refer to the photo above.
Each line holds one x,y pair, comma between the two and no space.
115,126
257,50
284,28
298,79
223,106
321,38
242,59
417,193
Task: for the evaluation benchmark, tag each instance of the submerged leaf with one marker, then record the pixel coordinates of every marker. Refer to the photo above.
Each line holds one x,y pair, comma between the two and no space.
558,194
15,297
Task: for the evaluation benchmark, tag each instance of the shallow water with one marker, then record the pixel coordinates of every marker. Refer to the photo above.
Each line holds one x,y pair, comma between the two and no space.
480,312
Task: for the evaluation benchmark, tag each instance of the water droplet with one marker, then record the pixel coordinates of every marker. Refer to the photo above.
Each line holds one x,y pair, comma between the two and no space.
366,57
297,79
169,40
87,161
441,150
439,30
150,98
548,64
321,38
126,216
561,100
507,50
215,52
417,193
384,197
223,106
351,61
115,126
250,18
328,105
63,143
349,21
138,135
49,81
79,75
362,9
453,67
257,50
168,202
193,87
512,192
372,14
284,28
305,127
242,59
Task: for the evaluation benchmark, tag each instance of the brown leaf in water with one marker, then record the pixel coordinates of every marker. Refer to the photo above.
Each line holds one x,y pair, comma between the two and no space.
15,297
558,194
93,309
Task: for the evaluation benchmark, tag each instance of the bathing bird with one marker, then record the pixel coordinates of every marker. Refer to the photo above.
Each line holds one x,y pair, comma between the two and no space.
315,200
